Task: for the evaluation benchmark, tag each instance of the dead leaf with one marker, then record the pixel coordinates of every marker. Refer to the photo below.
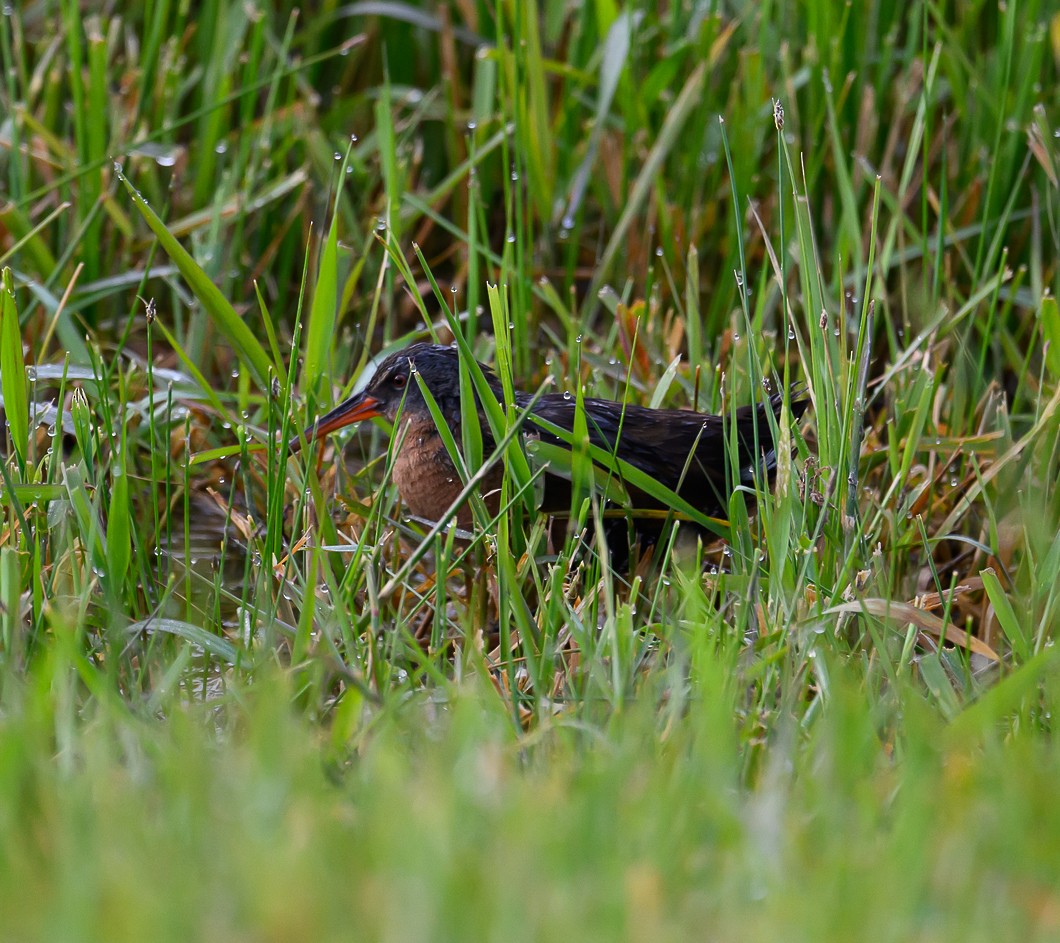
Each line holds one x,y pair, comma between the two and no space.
905,613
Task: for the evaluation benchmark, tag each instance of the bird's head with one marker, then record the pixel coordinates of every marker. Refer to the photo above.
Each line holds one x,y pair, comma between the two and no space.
393,388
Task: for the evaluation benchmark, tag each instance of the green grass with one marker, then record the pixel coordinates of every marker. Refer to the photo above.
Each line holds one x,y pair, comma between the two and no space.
242,695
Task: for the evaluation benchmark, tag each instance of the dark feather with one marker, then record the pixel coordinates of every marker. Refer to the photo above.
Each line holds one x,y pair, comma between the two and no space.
684,450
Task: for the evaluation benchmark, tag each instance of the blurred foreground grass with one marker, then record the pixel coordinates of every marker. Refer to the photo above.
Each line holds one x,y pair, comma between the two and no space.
238,696
443,823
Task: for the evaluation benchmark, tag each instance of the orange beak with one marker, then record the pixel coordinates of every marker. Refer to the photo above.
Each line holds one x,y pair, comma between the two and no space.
356,408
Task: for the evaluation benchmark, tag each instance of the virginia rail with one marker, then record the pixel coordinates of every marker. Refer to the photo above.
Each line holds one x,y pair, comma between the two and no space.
684,450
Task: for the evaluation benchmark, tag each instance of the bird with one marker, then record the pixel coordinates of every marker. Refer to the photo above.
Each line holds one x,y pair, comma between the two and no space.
684,450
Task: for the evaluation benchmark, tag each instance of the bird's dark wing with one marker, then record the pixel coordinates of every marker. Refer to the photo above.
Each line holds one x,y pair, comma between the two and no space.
683,450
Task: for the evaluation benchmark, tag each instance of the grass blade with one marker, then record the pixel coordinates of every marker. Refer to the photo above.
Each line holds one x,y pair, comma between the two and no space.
224,316
13,369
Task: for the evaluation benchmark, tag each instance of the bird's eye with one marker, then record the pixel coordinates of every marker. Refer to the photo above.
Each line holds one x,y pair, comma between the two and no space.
398,380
